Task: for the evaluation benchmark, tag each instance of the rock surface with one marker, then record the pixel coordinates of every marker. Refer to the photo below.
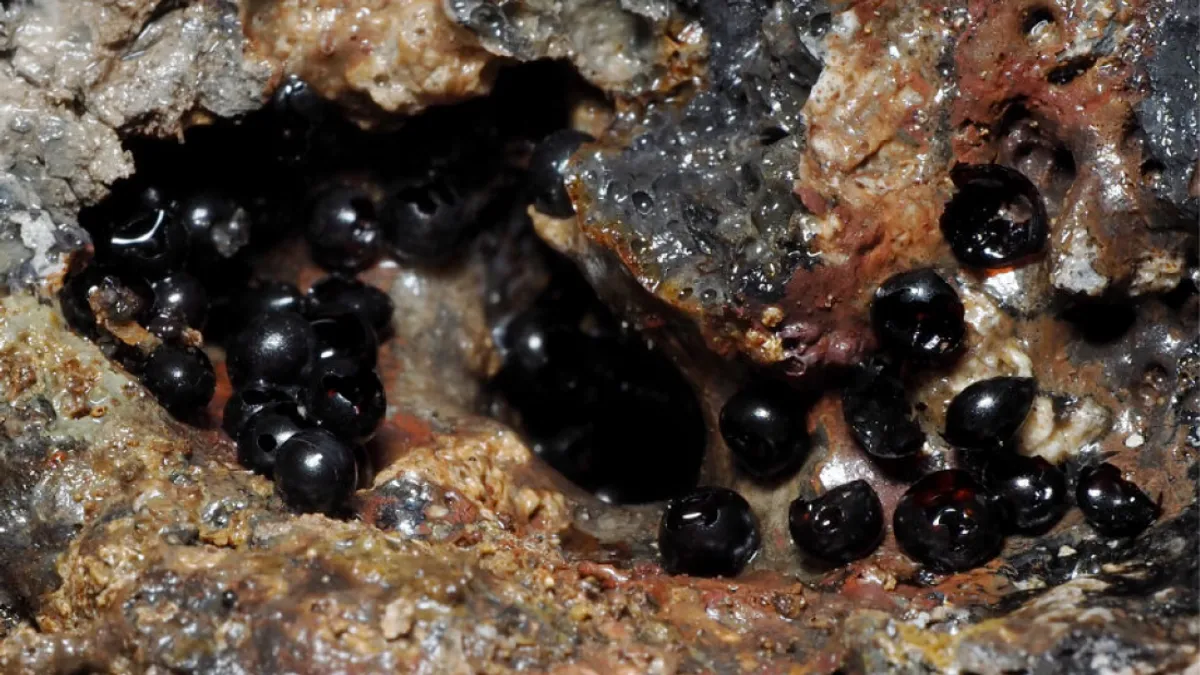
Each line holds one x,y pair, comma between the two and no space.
767,166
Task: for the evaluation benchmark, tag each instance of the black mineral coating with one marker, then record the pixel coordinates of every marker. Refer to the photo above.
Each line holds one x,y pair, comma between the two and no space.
1169,114
876,408
703,194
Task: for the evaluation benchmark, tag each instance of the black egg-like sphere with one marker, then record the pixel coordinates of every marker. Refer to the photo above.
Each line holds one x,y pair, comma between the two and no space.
842,525
315,472
708,533
424,222
764,427
919,315
182,379
346,336
271,296
335,294
276,347
150,242
343,230
1112,505
253,398
217,227
876,409
73,299
181,294
989,412
546,171
170,328
1033,490
346,397
295,101
948,522
120,297
996,218
261,436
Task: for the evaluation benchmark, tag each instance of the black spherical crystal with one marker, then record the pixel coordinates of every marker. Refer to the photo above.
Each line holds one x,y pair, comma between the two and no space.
335,294
764,427
710,532
151,242
346,398
1114,506
996,218
844,524
276,347
182,379
989,412
1033,490
259,439
948,522
253,398
315,472
919,315
181,295
343,231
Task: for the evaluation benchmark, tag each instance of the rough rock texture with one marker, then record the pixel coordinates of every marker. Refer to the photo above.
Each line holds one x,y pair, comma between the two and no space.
758,204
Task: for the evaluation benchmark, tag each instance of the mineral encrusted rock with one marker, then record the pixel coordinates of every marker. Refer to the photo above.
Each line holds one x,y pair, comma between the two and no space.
767,165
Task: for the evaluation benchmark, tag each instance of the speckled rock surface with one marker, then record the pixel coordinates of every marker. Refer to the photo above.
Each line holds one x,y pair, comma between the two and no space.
746,212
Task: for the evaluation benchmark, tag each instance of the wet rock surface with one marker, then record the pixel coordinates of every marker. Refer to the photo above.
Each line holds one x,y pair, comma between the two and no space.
749,211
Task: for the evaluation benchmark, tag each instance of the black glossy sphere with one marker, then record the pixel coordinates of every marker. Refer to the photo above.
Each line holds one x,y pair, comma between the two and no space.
844,524
989,412
298,113
259,439
119,298
217,227
424,222
271,296
345,335
170,328
546,171
315,472
346,398
566,384
182,379
918,314
343,230
151,242
335,294
1115,507
710,532
182,295
276,347
947,522
764,427
996,218
295,102
73,299
253,398
1033,490
876,409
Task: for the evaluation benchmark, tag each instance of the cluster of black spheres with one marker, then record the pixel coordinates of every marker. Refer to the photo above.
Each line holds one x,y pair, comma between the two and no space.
950,520
307,394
